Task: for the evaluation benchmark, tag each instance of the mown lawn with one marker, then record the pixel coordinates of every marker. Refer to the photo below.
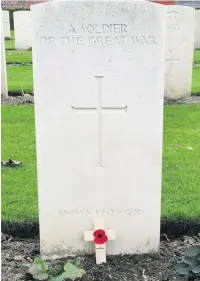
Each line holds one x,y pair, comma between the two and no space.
196,79
20,79
19,186
181,163
18,56
10,44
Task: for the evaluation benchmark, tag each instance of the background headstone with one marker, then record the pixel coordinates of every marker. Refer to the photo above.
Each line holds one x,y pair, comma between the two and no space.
189,3
4,90
179,51
197,29
6,24
98,88
23,30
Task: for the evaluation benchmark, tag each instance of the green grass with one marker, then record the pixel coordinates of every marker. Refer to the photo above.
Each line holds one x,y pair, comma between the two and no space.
196,56
20,77
19,186
181,166
18,56
10,44
196,79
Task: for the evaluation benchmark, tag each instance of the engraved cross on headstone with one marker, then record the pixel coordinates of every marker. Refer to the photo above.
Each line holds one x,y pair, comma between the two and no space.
99,109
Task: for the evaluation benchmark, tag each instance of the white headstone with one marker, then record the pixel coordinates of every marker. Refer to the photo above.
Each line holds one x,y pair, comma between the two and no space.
197,30
99,86
4,90
179,51
23,30
6,24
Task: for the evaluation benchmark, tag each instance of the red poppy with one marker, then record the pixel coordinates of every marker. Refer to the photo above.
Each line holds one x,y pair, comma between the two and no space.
100,236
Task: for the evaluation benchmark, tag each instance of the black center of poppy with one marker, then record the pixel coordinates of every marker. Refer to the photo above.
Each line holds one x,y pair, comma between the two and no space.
99,235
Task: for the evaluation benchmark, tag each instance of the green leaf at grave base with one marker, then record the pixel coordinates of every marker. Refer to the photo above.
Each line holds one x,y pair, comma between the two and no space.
77,261
194,251
37,272
35,268
182,268
41,276
196,269
198,257
59,278
194,263
72,271
42,264
187,260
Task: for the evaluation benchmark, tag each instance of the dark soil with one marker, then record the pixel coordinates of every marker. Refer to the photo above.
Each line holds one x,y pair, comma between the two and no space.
18,99
196,63
19,63
173,228
150,267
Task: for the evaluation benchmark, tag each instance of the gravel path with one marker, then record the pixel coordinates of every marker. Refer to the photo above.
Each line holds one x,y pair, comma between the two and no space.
29,99
157,267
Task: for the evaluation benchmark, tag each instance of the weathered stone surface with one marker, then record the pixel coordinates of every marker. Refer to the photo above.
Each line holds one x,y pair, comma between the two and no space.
179,51
23,30
99,146
4,89
197,30
6,23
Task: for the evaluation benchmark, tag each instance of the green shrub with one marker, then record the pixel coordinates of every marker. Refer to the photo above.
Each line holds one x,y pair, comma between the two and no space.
190,265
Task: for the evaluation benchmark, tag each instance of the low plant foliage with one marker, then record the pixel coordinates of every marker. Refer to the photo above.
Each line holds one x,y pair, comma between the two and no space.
40,270
190,265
